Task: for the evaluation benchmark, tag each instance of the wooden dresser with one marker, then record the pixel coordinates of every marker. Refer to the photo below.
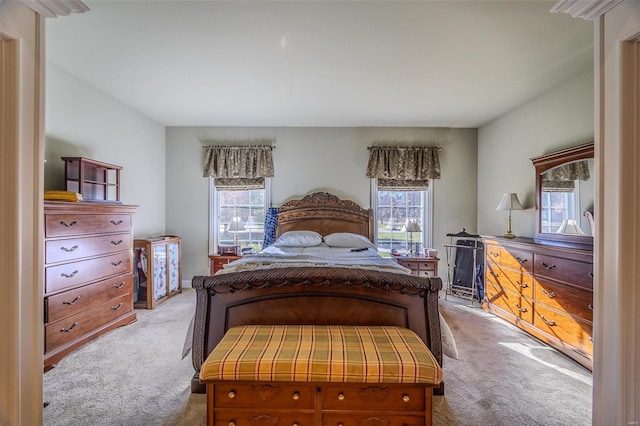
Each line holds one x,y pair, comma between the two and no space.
88,276
546,290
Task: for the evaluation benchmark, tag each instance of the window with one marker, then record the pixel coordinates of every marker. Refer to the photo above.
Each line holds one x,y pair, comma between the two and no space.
237,216
558,207
392,208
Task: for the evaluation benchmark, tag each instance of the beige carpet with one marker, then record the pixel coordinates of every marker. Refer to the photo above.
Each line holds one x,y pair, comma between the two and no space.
134,376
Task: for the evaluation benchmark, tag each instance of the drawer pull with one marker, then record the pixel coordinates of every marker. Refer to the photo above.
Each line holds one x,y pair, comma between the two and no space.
494,254
340,396
295,424
69,250
405,398
590,306
495,275
548,322
73,274
116,223
116,243
68,225
296,396
549,295
117,263
115,308
119,285
66,302
590,274
231,394
522,285
521,309
590,339
66,330
547,266
232,423
521,260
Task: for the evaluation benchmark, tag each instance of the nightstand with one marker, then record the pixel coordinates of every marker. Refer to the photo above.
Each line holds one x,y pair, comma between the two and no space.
421,266
217,261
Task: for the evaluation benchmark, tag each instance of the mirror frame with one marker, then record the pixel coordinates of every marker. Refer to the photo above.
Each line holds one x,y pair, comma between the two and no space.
545,162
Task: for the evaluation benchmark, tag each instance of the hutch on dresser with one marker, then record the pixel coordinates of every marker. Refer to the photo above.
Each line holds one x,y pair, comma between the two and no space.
157,272
88,273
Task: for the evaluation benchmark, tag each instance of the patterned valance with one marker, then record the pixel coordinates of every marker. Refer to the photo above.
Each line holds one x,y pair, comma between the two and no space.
238,167
562,178
403,168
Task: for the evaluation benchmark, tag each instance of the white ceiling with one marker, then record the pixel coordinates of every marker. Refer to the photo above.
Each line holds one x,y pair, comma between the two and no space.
321,63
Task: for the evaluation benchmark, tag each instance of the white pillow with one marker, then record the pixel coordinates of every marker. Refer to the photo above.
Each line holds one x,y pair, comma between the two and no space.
348,240
449,347
299,239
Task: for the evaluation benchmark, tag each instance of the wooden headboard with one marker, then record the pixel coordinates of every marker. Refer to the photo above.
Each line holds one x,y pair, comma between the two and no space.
325,213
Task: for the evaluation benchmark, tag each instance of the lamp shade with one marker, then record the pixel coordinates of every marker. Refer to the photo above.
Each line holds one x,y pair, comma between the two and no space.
236,225
510,202
411,225
570,226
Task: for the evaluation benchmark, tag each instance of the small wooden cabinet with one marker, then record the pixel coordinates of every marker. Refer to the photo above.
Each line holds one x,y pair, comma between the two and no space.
546,290
157,271
217,262
88,280
94,180
421,266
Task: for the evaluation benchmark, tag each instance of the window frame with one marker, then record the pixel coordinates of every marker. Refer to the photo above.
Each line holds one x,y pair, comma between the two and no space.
214,217
427,214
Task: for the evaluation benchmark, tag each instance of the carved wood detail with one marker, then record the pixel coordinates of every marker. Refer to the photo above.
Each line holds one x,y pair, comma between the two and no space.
374,393
264,392
374,421
263,420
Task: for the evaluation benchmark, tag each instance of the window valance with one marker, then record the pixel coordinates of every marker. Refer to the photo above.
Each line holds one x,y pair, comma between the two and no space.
238,167
562,178
406,168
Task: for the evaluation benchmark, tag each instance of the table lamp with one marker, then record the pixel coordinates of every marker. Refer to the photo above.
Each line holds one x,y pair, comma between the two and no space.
411,226
509,202
235,226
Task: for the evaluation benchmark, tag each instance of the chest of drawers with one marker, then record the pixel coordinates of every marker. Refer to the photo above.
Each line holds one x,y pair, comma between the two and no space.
545,290
217,262
88,284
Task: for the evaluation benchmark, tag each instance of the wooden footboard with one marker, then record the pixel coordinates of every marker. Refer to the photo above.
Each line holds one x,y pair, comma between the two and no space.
312,296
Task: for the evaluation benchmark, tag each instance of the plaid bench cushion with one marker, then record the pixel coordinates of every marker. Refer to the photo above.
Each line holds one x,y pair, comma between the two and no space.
312,353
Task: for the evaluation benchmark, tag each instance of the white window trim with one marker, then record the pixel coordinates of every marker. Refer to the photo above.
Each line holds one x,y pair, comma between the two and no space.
427,214
214,220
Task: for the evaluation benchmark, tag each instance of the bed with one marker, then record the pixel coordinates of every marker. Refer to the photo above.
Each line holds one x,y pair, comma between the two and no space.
314,295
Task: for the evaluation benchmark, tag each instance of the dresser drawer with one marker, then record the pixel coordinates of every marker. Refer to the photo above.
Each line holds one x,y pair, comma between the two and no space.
520,260
78,248
70,302
83,271
370,419
514,303
69,329
575,302
571,271
574,332
265,395
257,417
359,397
518,282
59,225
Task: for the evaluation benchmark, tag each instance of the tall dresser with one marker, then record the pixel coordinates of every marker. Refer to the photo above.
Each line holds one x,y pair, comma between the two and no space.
88,276
546,290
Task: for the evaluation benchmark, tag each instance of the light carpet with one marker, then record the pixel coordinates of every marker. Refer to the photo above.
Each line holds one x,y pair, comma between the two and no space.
134,375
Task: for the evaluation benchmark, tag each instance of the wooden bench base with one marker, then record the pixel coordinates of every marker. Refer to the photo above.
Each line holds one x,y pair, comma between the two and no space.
313,404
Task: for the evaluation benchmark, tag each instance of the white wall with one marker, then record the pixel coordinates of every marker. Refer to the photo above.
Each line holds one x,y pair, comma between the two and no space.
314,159
559,118
82,121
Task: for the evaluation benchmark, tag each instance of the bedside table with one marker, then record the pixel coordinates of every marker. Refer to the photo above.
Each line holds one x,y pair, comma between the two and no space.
217,262
421,266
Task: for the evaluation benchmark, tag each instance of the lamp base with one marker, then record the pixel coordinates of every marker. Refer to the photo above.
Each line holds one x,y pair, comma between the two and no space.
508,235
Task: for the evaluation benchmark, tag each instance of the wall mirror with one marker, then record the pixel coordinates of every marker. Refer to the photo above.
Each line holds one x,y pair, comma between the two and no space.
565,195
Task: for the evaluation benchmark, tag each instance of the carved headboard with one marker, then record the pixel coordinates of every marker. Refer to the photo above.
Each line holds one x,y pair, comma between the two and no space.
325,213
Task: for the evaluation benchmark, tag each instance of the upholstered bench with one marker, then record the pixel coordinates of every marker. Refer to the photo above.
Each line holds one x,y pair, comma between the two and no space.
320,375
